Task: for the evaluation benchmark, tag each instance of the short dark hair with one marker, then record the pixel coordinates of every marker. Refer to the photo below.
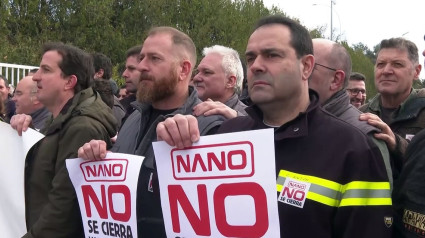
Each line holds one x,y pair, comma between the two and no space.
300,37
6,82
74,62
104,89
101,61
133,51
357,76
402,44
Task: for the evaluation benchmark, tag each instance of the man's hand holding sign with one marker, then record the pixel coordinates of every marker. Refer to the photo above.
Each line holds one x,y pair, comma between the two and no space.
106,191
220,186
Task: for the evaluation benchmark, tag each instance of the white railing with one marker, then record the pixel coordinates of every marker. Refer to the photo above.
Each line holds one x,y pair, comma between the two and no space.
14,72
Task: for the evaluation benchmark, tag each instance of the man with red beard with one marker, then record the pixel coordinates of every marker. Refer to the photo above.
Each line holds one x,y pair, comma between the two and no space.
166,62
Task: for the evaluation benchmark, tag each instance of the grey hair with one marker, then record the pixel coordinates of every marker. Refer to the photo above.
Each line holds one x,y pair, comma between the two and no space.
231,63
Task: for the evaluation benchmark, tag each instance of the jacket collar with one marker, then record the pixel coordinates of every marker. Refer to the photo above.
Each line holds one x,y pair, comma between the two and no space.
410,108
298,127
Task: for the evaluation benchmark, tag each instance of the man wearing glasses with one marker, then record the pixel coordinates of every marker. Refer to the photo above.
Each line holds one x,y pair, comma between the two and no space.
356,89
330,83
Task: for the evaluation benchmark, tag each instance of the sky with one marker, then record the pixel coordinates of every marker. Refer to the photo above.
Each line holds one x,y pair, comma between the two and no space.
365,21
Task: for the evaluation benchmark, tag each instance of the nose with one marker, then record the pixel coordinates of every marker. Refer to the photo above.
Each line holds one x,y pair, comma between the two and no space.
37,76
125,73
197,77
142,66
257,65
388,69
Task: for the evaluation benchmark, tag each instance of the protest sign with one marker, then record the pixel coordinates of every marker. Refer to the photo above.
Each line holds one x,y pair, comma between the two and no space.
222,186
106,192
14,149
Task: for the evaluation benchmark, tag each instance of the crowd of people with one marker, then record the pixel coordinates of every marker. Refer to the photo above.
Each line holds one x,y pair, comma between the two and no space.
363,159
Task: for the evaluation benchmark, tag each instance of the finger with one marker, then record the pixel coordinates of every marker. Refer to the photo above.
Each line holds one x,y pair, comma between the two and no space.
193,128
27,122
98,148
87,152
184,132
368,116
81,152
19,126
163,134
173,132
201,108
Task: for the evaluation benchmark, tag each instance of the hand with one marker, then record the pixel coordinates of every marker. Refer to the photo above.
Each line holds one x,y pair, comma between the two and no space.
93,150
180,131
386,133
20,122
209,107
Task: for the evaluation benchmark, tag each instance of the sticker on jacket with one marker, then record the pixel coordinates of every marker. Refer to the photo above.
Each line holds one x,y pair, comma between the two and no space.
294,192
409,137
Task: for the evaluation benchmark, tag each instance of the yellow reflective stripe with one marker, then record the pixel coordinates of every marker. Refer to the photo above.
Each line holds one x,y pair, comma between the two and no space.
365,202
379,192
365,185
311,179
323,199
279,187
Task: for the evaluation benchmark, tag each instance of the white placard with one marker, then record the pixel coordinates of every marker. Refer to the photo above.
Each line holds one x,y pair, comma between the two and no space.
14,149
106,192
222,186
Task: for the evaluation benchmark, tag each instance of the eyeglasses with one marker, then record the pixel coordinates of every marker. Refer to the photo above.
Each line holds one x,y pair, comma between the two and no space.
356,91
324,66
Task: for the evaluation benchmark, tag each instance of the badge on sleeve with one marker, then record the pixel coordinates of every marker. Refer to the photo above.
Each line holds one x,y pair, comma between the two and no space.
294,192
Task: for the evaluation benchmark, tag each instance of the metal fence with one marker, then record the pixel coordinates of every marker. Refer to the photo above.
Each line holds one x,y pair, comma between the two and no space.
14,72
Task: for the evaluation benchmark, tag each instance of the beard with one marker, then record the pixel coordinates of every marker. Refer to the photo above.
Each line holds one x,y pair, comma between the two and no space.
152,89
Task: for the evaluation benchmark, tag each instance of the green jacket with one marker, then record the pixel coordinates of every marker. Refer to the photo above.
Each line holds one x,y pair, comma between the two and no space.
51,204
409,119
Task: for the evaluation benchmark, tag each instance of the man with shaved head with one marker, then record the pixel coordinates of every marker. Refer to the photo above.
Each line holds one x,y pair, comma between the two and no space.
330,79
27,103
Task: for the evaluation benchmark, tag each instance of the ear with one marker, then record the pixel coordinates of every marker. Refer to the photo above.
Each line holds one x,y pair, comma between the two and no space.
231,81
307,64
338,80
418,69
71,81
185,70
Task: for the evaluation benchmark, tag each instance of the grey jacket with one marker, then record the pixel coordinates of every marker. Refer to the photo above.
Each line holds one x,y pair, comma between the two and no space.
236,105
149,213
339,105
39,118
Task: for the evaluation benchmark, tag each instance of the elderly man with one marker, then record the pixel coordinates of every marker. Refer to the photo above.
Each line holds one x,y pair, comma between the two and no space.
329,79
26,102
398,109
78,115
219,81
409,191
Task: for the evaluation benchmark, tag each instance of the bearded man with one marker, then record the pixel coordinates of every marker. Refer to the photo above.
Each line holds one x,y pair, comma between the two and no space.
166,62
